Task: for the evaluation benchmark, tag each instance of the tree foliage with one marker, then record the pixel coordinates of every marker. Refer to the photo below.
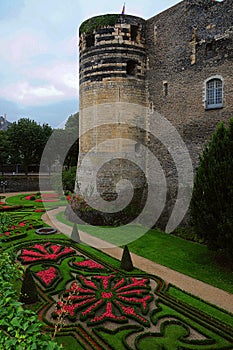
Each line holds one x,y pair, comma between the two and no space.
27,140
212,200
4,149
72,128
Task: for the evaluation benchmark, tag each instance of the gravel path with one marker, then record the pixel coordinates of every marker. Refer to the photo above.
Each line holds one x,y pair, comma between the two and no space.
200,289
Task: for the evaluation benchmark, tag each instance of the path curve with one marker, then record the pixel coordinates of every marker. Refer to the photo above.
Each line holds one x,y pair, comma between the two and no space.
195,287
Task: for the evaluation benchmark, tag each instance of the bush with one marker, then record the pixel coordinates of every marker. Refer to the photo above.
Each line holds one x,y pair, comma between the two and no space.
5,222
29,293
212,200
126,262
68,181
19,328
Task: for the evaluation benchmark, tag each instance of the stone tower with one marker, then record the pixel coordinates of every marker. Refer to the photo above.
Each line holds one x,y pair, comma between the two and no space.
113,100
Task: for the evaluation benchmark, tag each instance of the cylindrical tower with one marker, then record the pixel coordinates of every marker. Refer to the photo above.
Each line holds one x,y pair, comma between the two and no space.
113,98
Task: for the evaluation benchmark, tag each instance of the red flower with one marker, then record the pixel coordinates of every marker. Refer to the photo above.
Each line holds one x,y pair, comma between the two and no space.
48,275
39,210
68,197
47,251
28,198
112,299
89,264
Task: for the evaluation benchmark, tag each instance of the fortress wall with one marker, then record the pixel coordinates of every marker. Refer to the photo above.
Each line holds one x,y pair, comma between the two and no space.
186,45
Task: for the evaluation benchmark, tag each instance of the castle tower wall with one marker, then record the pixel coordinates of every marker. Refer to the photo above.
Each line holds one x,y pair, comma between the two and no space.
112,94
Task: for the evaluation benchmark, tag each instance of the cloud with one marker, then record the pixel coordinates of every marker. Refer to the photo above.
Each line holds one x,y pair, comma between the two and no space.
25,94
18,49
39,46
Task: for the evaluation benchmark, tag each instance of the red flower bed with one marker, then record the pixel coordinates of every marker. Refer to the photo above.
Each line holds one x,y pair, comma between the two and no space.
46,200
108,298
47,251
9,208
14,229
28,198
89,264
47,276
49,195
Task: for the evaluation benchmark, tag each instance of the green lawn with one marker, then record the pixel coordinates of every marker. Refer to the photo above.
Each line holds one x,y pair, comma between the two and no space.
20,200
187,257
210,310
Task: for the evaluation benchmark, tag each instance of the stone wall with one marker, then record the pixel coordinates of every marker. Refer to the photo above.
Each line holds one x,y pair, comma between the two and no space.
22,183
186,45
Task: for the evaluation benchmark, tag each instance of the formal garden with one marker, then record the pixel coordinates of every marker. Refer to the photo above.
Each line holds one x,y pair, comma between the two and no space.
59,291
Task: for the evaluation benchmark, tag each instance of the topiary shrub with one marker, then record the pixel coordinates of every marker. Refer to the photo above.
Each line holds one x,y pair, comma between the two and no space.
75,234
28,293
212,200
126,261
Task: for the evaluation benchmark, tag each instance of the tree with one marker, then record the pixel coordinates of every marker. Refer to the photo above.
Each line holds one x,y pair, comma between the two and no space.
212,200
126,262
72,128
27,140
4,149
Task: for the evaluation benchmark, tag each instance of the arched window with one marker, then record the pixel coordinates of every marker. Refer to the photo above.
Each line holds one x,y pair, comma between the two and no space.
214,93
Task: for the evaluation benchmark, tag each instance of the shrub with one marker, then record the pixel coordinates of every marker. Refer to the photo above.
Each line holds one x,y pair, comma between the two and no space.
126,262
68,181
75,234
212,200
19,328
5,221
29,293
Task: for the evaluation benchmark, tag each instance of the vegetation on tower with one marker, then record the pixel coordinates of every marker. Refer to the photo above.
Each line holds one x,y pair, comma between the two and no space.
98,22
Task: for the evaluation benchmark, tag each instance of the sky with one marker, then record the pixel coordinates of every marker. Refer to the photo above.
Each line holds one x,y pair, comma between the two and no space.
39,53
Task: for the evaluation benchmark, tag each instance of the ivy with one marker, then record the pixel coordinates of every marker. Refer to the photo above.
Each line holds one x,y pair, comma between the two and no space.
19,328
5,221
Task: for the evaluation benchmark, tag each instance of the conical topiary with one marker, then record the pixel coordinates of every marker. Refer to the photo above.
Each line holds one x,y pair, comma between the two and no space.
126,262
28,293
75,234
